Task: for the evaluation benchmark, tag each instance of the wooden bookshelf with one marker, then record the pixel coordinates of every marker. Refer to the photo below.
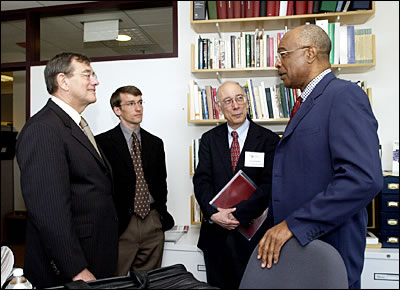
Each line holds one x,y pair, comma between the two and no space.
278,22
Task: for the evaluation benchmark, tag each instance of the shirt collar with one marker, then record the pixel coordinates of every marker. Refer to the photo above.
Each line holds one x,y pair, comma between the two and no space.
67,109
128,133
311,85
241,130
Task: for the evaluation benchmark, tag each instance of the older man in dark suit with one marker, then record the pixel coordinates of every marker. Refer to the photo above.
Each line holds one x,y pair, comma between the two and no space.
223,151
72,228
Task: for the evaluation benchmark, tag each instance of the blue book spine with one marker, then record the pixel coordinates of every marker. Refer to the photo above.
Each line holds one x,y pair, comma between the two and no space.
351,53
254,99
200,52
205,106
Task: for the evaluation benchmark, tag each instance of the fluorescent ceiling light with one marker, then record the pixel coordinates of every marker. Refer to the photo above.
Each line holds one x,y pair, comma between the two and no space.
123,37
100,30
5,78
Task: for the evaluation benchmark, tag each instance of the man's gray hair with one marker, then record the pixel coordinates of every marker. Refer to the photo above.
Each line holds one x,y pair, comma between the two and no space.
314,35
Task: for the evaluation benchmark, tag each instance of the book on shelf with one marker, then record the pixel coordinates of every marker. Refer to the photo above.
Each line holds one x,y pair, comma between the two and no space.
199,10
360,5
212,9
271,8
239,188
339,6
328,6
316,7
256,8
346,6
236,9
351,54
263,8
283,8
175,233
310,7
222,10
290,8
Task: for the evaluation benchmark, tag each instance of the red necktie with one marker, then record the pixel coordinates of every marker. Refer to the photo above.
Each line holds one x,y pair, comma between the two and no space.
295,107
235,150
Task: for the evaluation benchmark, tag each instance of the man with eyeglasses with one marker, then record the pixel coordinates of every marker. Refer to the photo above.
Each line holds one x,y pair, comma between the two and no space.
140,184
72,225
224,151
327,166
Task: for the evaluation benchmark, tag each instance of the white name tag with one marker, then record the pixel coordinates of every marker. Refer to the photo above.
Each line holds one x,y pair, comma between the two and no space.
254,159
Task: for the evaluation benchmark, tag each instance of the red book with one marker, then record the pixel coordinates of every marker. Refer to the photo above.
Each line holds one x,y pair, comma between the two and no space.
221,10
277,6
239,188
248,9
271,52
230,9
310,7
242,9
290,8
256,8
270,8
236,9
301,7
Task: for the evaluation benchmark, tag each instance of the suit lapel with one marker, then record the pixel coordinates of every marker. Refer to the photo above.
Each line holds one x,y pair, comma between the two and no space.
308,104
249,144
147,146
119,142
76,131
224,151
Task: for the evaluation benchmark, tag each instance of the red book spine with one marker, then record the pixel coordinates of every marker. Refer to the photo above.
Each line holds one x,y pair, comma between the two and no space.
277,6
221,10
256,8
301,7
242,9
270,8
271,51
236,9
230,9
290,8
249,9
310,6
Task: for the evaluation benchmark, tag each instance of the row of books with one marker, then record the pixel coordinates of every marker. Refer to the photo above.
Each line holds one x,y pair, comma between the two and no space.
265,103
203,10
349,45
238,50
194,155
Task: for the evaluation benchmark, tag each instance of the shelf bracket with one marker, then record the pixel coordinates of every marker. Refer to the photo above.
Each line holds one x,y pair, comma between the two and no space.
218,77
218,29
337,18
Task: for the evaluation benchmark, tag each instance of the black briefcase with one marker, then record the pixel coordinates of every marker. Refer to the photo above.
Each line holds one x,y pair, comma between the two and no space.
170,277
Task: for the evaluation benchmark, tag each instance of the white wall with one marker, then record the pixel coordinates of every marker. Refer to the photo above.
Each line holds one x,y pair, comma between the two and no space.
164,84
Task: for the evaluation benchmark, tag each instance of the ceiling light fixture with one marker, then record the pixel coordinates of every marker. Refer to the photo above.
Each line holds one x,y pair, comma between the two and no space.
5,78
123,37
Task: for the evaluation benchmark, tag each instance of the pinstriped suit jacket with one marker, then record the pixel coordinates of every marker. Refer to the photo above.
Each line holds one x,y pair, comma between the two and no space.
67,189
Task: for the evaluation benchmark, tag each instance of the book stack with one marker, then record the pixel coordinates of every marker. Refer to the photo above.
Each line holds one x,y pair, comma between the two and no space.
372,241
265,103
237,50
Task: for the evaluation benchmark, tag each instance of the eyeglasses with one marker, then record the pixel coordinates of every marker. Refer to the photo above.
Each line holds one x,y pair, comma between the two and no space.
282,54
239,99
88,75
131,104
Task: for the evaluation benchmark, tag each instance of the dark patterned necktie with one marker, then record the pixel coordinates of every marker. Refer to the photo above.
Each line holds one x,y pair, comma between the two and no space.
235,150
295,107
142,200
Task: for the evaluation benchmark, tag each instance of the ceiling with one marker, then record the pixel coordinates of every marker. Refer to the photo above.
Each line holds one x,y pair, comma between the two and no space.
150,28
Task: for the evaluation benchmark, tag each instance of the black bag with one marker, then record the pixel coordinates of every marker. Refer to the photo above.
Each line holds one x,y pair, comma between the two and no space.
170,277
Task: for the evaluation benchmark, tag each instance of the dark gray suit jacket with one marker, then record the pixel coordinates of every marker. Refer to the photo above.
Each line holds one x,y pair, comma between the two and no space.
113,144
67,188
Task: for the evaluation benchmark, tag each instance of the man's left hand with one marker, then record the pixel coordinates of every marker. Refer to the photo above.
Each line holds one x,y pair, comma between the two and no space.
270,245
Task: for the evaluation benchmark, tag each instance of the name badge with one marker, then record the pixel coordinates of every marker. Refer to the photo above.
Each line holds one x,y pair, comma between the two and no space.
254,159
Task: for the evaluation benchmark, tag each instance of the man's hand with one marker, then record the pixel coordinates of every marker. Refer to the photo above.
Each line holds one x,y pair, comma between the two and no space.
270,245
225,218
84,275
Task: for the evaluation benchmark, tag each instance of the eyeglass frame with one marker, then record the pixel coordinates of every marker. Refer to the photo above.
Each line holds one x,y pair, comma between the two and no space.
132,104
229,101
88,75
279,55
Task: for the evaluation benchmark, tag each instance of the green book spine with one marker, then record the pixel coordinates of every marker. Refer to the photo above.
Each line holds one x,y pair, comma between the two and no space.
331,34
248,59
212,9
283,100
328,6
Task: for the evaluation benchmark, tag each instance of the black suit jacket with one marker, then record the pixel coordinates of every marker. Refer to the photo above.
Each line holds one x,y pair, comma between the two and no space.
214,171
114,145
67,189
